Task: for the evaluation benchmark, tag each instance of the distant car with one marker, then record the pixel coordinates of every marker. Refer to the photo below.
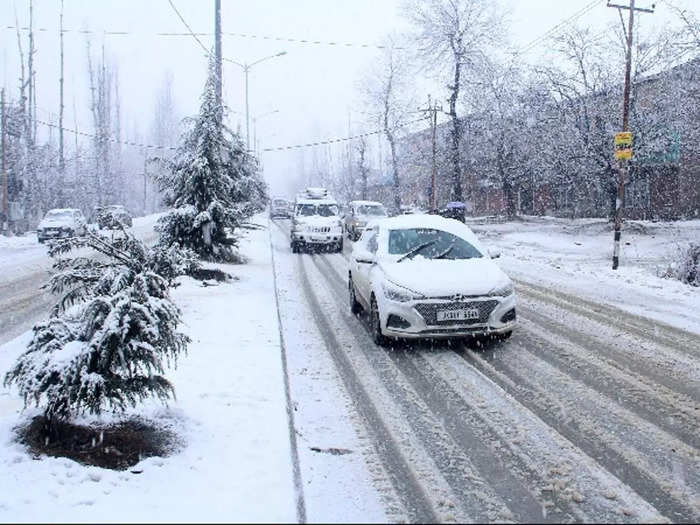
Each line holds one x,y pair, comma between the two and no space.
424,276
359,213
61,223
410,210
108,217
316,221
280,209
454,210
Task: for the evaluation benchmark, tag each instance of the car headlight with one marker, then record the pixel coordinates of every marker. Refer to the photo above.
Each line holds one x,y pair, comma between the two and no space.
502,291
394,292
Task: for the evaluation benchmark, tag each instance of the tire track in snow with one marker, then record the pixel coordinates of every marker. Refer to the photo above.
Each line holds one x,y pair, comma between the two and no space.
415,500
634,387
649,329
551,407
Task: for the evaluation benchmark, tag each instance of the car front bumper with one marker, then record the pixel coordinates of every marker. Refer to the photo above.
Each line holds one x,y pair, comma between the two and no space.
54,234
421,329
332,237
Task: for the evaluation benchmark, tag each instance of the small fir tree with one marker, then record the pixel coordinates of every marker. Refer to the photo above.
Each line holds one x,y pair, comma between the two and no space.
213,185
111,334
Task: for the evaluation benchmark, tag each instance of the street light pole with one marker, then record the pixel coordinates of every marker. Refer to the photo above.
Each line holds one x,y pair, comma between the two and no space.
246,69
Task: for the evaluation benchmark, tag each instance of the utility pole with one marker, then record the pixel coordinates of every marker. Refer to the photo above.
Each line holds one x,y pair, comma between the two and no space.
61,154
218,58
431,113
3,125
623,162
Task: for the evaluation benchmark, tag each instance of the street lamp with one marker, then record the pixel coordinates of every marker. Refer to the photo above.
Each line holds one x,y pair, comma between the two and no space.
255,126
246,68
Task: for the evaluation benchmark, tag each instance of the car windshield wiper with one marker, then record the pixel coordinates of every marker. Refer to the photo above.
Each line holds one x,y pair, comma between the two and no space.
445,253
415,250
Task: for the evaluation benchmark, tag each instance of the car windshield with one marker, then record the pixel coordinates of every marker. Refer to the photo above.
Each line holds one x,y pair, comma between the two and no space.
59,214
324,210
327,210
371,209
437,244
279,202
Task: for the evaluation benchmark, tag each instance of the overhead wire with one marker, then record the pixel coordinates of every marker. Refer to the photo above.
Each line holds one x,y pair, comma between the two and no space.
305,41
173,148
578,14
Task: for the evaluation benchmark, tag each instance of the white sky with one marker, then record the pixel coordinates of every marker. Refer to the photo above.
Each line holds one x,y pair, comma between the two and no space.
314,87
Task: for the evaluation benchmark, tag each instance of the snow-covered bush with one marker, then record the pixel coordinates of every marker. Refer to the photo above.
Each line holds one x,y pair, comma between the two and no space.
212,184
111,335
686,265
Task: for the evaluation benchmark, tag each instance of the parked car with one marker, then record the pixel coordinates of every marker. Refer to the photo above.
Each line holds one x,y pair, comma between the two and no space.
280,209
358,214
316,221
61,223
108,217
424,276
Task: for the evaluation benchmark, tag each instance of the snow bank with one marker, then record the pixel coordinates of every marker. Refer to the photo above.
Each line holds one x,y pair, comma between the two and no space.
576,256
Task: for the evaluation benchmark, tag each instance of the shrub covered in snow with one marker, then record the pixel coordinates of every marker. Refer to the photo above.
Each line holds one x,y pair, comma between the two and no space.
112,333
686,265
213,184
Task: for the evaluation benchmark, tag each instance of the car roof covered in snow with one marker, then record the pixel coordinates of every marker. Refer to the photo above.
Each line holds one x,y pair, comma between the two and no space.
62,210
316,201
365,203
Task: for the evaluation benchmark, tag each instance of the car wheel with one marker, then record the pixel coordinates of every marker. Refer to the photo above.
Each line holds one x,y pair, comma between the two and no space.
355,306
340,246
376,324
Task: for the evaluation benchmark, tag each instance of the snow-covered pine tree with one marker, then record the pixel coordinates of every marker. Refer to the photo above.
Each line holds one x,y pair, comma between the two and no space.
212,185
111,335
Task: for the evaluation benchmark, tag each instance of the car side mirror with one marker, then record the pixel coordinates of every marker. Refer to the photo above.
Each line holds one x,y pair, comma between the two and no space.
365,257
494,253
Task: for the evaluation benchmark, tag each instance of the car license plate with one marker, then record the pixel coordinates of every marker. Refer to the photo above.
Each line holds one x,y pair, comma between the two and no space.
458,315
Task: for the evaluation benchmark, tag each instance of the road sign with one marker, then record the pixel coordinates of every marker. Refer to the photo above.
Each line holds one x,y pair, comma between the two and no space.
623,145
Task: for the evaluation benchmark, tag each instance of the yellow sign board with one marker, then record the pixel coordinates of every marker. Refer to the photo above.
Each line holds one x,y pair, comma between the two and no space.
623,154
623,145
623,139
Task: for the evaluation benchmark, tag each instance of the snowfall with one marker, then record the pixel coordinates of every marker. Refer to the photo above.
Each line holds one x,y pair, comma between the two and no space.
250,375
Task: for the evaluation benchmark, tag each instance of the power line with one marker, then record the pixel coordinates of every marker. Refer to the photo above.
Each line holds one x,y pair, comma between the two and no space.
578,14
93,136
190,33
173,148
338,140
182,19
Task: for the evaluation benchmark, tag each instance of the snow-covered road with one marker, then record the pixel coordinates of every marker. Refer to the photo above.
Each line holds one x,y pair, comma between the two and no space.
588,413
24,267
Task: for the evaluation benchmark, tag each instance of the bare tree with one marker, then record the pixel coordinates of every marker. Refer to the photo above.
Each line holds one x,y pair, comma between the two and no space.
385,87
454,39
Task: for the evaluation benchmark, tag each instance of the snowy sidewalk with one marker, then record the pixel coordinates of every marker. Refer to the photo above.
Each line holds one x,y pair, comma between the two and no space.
230,412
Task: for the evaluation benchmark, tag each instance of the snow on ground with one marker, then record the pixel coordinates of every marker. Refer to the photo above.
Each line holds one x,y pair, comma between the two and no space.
230,412
575,256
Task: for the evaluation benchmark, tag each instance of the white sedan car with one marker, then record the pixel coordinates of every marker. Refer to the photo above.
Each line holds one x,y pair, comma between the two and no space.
424,276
